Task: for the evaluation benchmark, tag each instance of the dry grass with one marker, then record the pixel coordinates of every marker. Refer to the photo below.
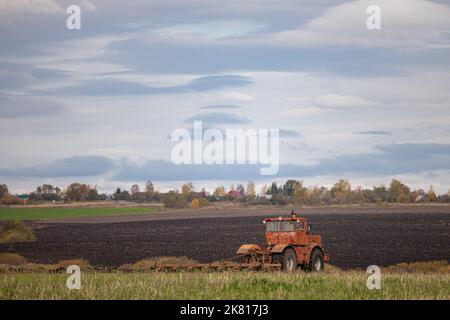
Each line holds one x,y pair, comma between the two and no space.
332,269
439,266
149,263
16,231
12,262
12,259
82,263
224,285
427,280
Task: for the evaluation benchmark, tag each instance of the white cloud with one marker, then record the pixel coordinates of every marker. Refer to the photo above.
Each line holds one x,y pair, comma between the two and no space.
236,96
302,111
339,101
78,56
88,6
29,6
405,23
209,30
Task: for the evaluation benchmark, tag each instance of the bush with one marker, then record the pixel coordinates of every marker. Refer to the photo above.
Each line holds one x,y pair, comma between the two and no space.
174,200
195,203
16,231
11,200
12,259
203,202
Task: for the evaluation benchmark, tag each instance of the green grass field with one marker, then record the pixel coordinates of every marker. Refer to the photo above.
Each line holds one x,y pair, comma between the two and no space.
50,213
225,285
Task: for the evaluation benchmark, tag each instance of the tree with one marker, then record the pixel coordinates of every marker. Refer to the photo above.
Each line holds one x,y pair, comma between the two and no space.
398,192
241,189
149,188
219,192
46,192
300,194
134,189
251,190
122,195
342,191
48,189
358,195
273,190
289,187
3,190
77,192
342,186
93,195
431,195
382,193
371,196
186,189
319,195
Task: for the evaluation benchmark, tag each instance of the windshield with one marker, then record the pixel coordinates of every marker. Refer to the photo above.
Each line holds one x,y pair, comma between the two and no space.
281,226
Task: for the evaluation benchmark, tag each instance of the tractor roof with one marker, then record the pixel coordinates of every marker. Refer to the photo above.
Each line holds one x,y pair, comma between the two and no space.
286,218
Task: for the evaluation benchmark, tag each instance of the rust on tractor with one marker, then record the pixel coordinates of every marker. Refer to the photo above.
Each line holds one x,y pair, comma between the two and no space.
288,243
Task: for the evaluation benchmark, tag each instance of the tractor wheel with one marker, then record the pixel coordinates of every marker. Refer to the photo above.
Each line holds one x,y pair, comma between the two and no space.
316,262
288,260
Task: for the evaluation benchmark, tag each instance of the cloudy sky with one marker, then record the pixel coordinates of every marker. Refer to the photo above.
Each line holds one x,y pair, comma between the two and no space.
97,105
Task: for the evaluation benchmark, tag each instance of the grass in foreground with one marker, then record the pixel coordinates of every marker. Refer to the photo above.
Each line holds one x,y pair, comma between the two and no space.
421,280
224,285
49,213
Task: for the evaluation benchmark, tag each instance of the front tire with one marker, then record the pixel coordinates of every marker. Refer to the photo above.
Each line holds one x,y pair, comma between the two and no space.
316,262
289,260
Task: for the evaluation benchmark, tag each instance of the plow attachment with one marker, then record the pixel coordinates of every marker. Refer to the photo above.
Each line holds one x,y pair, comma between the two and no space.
249,257
218,267
251,261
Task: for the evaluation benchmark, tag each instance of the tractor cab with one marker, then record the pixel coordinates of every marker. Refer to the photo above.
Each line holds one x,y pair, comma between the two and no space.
286,230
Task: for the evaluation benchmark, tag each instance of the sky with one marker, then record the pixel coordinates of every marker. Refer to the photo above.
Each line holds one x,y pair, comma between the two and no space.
98,105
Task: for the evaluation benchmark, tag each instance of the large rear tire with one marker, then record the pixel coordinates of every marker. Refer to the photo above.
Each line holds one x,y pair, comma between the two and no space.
316,262
288,260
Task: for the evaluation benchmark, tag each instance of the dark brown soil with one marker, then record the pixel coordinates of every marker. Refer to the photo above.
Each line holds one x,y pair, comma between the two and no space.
352,240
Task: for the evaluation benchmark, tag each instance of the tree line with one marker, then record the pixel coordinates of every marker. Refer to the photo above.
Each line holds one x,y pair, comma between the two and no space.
291,192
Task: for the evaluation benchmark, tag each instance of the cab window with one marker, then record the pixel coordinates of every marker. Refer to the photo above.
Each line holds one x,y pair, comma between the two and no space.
281,226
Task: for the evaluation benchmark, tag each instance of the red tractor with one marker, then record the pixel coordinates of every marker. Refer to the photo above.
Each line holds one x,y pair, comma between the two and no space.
289,243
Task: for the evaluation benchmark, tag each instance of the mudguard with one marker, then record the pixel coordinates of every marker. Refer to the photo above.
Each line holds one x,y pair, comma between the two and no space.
248,248
279,248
